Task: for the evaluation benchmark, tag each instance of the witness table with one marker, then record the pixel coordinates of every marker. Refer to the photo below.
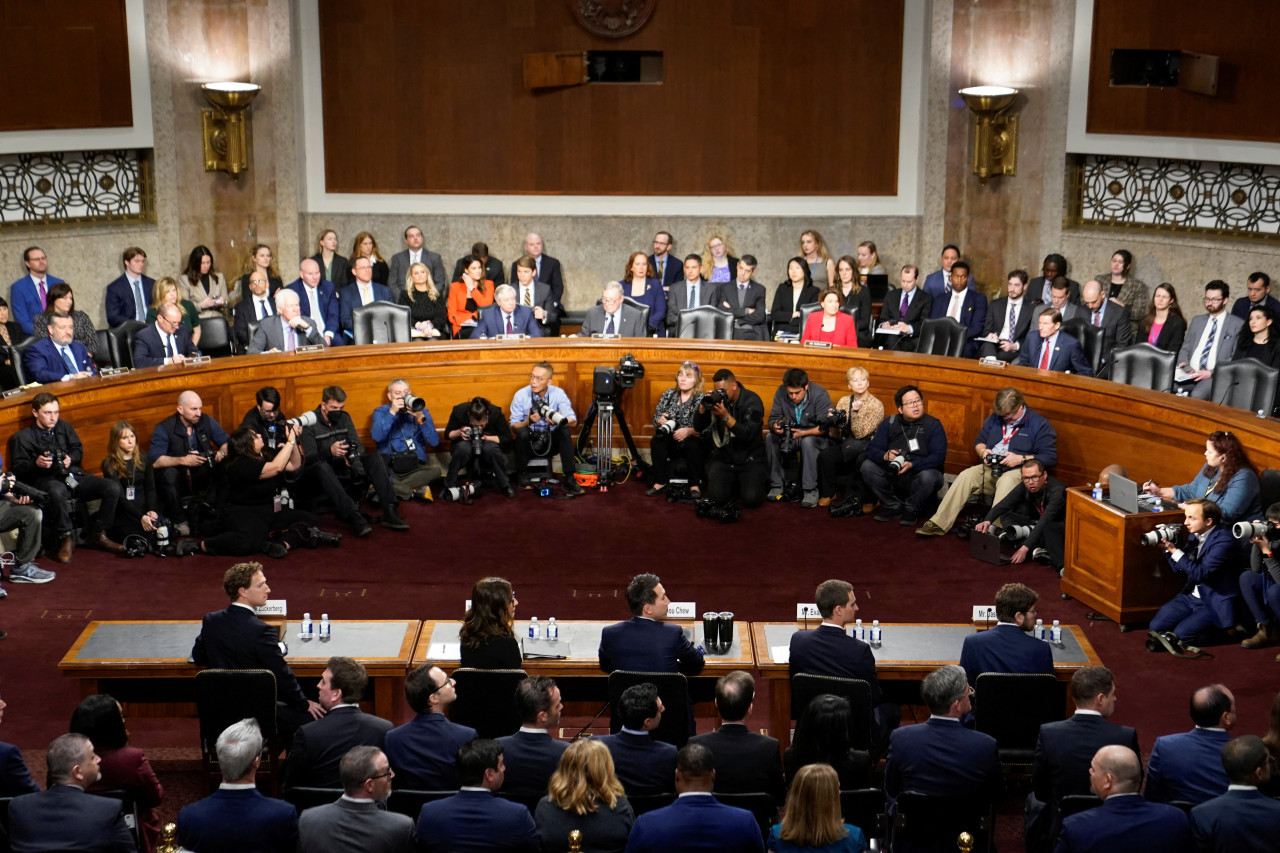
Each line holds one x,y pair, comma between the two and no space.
133,653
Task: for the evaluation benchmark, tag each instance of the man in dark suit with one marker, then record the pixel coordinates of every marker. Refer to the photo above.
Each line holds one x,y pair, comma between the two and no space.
165,341
1059,298
532,754
748,762
287,329
1257,292
422,751
475,818
1054,270
645,643
746,299
666,267
15,779
29,295
1052,349
965,305
1111,319
696,821
318,746
938,283
236,638
905,308
254,308
359,822
690,292
506,317
1206,606
1124,821
237,817
612,316
644,765
828,650
534,294
1242,820
1210,340
64,817
1008,646
493,270
941,757
59,357
318,300
1188,766
130,294
548,272
1008,321
362,291
414,253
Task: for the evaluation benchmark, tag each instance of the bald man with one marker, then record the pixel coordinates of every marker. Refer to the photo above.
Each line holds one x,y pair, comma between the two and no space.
1111,319
319,300
183,448
1124,821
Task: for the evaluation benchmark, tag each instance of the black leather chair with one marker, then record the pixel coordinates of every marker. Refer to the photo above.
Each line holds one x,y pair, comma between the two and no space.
866,809
227,696
1011,707
805,310
129,330
763,807
382,322
1090,340
129,807
1245,384
1268,487
103,356
706,323
1076,803
120,344
17,352
304,798
924,822
804,687
1144,366
673,689
644,313
410,802
487,700
641,803
943,336
215,336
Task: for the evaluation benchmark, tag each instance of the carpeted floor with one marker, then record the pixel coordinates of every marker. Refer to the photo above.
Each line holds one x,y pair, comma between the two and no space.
571,559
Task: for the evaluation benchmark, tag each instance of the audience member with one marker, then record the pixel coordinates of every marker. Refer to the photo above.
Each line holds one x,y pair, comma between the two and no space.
745,299
547,271
1058,301
402,436
29,295
467,295
366,246
492,266
965,305
15,779
830,324
1053,273
584,794
266,418
824,735
507,318
817,260
165,290
692,292
1211,337
17,514
10,334
800,409
363,290
59,357
903,468
667,267
613,316
533,753
318,747
334,267
183,449
475,819
165,341
1112,320
1206,607
287,329
1259,342
644,765
487,639
675,436
1257,294
544,434
127,296
358,822
1187,766
428,307
649,292
1008,321
63,300
1164,327
415,253
1123,287
840,463
905,307
1272,740
1243,820
737,468
535,295
479,435
202,285
252,311
318,300
1008,646
938,283
422,750
260,261
797,290
1124,821
1229,479
1050,348
748,761
812,822
1038,503
855,296
719,264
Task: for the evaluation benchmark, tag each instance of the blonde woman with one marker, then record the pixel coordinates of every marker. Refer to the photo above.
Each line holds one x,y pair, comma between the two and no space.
261,259
428,308
166,290
838,464
811,822
821,267
675,435
584,794
719,264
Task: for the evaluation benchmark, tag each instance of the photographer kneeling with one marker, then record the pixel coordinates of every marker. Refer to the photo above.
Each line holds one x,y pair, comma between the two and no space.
1206,605
735,415
477,430
903,467
1260,583
1038,505
799,407
675,433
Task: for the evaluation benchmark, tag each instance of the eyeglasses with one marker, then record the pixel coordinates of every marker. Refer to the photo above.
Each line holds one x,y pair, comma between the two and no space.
442,685
389,772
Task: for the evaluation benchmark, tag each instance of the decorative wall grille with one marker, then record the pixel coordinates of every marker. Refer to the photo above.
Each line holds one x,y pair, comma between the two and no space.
76,186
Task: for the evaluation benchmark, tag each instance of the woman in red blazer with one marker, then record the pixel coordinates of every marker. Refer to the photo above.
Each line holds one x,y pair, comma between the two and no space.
830,324
124,768
468,296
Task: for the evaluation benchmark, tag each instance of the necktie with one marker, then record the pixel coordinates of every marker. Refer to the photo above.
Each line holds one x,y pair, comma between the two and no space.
509,329
693,296
68,360
263,310
1044,356
946,283
742,294
609,327
139,302
902,309
956,302
528,296
291,340
168,346
1013,319
44,295
1208,345
1097,317
661,266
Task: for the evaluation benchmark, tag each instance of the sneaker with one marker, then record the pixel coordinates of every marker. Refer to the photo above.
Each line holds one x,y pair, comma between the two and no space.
810,499
775,494
3,592
888,513
1041,556
931,529
908,519
30,573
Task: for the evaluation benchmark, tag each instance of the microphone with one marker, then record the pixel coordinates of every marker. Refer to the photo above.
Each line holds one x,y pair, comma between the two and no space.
1222,401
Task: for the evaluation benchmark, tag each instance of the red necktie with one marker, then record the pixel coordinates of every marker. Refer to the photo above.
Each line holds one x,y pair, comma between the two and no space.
1044,357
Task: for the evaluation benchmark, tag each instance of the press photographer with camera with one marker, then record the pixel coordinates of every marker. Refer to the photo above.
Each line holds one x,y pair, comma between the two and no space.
675,434
182,450
1206,606
265,418
1260,583
798,407
136,514
477,430
403,430
17,513
47,455
854,421
733,415
542,412
1034,514
903,468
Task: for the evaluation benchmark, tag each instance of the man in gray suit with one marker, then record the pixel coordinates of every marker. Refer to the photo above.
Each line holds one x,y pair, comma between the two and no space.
746,299
612,316
1211,338
415,253
689,293
356,822
287,330
1060,299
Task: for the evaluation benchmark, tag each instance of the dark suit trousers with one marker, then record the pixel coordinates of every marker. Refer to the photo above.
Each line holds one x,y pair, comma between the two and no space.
989,350
1055,535
840,462
57,510
246,530
664,448
491,461
916,489
748,481
561,443
1262,599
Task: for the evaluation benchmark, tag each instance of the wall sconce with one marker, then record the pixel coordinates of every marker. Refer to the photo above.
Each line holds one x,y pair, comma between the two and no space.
226,147
995,135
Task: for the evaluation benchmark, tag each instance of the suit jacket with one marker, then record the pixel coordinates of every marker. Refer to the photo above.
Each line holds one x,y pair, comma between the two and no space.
943,758
746,762
1067,354
423,752
349,300
646,645
43,363
672,271
996,317
491,324
1035,289
1229,327
1172,334
242,821
1004,648
1237,822
1215,573
492,270
1243,306
693,823
1065,749
270,335
1126,824
65,818
399,271
828,650
319,745
148,348
1070,311
1187,766
936,286
15,779
530,760
24,299
644,765
891,313
350,827
678,299
236,638
244,313
751,311
973,315
548,272
541,299
121,304
475,821
329,308
596,319
1116,328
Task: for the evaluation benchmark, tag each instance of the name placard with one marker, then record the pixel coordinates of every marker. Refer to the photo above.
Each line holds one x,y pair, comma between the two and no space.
199,359
310,348
818,344
273,607
682,610
807,611
515,336
601,336
114,371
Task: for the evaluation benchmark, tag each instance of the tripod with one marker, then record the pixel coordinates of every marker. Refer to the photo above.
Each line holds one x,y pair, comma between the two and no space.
604,408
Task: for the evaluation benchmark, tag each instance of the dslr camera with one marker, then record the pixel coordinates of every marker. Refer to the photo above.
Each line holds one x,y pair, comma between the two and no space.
787,441
475,436
1162,533
1255,529
547,413
897,463
994,460
713,398
206,448
668,427
835,419
462,494
9,483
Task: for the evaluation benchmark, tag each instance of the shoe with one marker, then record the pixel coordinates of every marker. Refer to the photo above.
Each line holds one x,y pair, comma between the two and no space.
360,525
422,493
775,494
571,487
105,543
1260,639
30,573
392,521
187,547
810,499
654,490
824,502
509,491
908,519
182,528
888,513
4,593
1041,556
66,549
276,550
931,529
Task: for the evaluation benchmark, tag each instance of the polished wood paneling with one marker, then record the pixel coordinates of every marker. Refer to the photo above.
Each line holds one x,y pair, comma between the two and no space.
1239,32
757,98
66,65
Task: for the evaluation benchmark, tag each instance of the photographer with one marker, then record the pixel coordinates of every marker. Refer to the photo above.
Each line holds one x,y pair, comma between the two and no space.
403,436
1038,502
478,427
528,422
266,419
336,459
903,467
798,406
676,435
183,448
841,462
1009,436
734,415
47,455
17,513
1206,605
136,513
1260,584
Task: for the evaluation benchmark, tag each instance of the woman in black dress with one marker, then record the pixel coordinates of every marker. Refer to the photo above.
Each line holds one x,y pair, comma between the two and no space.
428,309
1262,342
823,736
488,641
797,290
136,513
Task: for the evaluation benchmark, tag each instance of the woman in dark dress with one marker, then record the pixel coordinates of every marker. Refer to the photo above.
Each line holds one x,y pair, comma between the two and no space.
1164,326
823,737
136,513
333,267
855,296
488,641
1262,341
637,284
584,794
428,307
797,290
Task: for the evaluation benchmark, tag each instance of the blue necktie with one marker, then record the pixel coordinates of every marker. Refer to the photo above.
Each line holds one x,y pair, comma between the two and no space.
139,302
68,360
608,327
1208,345
693,296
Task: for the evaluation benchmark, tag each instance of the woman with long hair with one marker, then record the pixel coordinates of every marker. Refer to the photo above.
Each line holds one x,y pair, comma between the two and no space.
10,334
719,263
468,296
365,246
166,290
637,284
136,511
333,266
1228,479
584,794
854,294
61,298
811,821
201,283
797,290
428,308
868,261
676,436
260,260
1164,326
1122,287
488,641
1262,342
830,324
817,259
824,736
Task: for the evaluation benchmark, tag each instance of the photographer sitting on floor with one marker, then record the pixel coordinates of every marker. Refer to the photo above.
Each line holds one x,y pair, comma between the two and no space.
542,411
903,467
1260,583
478,431
733,415
795,423
1038,505
1207,602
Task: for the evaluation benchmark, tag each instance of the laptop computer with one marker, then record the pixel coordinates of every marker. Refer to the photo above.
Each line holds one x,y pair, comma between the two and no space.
987,547
1124,494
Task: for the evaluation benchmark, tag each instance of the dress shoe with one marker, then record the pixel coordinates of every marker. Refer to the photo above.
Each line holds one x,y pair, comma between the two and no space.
360,525
187,547
103,542
392,521
908,519
571,486
65,549
888,513
1260,639
824,501
509,491
654,490
930,529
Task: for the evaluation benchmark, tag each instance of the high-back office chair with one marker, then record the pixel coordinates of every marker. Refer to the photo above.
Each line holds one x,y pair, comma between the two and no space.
1011,707
943,336
381,323
707,323
227,696
487,700
805,686
1245,384
1089,338
1144,366
215,336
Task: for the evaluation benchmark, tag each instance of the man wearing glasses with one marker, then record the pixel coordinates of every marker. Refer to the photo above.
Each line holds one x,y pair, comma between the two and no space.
165,341
1039,503
1211,337
423,751
359,821
903,467
553,435
1008,646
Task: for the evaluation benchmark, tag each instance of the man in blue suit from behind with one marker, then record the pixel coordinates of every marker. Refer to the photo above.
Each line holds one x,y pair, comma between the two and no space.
319,301
1125,822
423,750
506,317
1188,766
237,817
1064,351
1242,820
696,820
644,642
130,294
1008,646
644,765
532,754
475,819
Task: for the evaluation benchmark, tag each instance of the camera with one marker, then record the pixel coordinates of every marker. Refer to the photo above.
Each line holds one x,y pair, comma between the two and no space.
544,410
994,460
1253,529
897,463
460,494
787,441
475,435
304,420
668,427
356,464
1015,533
713,398
414,404
9,483
206,447
605,380
1161,533
835,419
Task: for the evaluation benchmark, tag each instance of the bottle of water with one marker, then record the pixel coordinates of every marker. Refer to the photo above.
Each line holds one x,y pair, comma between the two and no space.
1039,632
1097,491
875,632
533,627
324,626
1055,633
859,631
553,630
307,631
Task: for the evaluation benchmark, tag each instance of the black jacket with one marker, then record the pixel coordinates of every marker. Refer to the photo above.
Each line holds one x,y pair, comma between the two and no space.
746,441
31,442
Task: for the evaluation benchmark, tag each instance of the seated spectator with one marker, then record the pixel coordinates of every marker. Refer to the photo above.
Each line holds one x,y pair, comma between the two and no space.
165,290
467,296
252,311
1259,341
422,751
1114,325
428,307
137,513
1210,340
612,316
637,284
905,308
15,779
318,746
1229,479
261,261
1008,645
127,296
748,761
202,285
584,794
965,304
1243,820
362,291
487,640
318,301
1260,583
1054,274
366,246
1008,321
644,765
30,294
1187,766
811,822
1049,348
903,468
475,819
1164,326
287,329
1124,821
532,754
823,736
745,299
830,324
479,423
797,290
492,266
58,358
165,341
359,821
676,437
1206,607
61,299
840,462
855,295
1038,503
403,436
799,407
1257,293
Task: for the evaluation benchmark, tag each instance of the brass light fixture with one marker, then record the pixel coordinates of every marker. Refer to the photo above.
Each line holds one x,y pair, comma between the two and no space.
226,147
995,133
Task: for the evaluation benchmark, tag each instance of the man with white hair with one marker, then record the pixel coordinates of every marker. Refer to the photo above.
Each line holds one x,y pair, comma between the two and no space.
318,300
165,341
612,316
287,329
506,317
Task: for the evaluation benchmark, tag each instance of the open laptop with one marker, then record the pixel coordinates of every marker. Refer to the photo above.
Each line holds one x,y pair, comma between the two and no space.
986,547
1124,494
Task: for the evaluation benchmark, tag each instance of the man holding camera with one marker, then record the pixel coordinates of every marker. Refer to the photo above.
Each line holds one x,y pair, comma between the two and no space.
336,458
735,416
403,430
1009,436
16,513
1208,600
1038,504
47,455
183,448
266,419
1260,583
797,421
903,468
479,435
542,412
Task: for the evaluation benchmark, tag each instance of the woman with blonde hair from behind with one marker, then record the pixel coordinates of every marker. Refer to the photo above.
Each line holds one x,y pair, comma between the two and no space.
585,794
811,822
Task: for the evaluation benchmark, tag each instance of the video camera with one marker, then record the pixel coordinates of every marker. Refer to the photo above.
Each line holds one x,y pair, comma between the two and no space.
606,381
